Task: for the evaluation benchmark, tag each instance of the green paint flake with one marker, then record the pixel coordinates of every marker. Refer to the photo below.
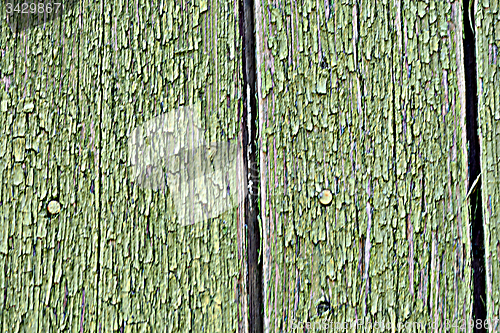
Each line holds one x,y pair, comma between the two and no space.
17,175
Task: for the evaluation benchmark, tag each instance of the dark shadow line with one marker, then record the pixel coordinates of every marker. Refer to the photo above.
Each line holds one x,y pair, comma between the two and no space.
475,203
249,134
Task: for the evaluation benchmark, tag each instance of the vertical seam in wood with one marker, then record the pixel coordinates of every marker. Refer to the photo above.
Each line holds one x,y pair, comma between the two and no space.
474,169
262,115
248,125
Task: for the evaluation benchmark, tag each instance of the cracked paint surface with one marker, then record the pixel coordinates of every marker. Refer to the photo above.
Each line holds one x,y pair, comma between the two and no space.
48,265
487,33
368,101
114,258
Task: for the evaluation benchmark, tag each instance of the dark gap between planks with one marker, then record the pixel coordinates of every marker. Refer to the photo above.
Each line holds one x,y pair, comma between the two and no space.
475,208
249,118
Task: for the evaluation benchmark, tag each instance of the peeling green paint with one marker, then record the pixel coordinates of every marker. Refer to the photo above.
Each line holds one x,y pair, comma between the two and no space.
176,278
48,263
487,33
365,100
386,133
114,255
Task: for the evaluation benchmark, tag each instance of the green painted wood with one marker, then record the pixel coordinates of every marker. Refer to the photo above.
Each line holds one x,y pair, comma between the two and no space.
487,32
116,256
368,101
158,274
50,108
365,100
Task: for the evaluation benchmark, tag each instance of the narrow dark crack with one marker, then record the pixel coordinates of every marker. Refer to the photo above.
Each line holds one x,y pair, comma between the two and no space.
476,217
248,121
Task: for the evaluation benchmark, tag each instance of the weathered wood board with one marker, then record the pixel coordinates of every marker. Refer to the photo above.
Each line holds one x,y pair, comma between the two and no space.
116,257
368,100
364,99
487,33
50,111
160,57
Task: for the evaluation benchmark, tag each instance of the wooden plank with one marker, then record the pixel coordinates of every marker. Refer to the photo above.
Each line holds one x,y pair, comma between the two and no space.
175,66
367,101
121,256
487,34
50,105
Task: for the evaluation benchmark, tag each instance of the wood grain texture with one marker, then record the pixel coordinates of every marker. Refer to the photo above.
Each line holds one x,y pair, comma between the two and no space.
159,275
49,114
487,33
366,100
115,258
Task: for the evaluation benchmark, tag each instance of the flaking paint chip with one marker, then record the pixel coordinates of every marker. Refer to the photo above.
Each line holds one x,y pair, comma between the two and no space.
29,106
54,207
18,175
325,197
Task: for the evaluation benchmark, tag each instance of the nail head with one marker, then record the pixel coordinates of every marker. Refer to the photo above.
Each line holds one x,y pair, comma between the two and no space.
325,197
54,207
